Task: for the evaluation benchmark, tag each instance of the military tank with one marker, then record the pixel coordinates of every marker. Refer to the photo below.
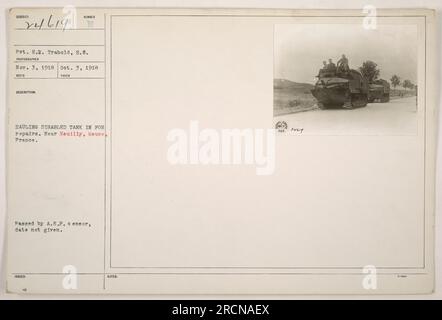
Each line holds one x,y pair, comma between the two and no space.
379,91
336,89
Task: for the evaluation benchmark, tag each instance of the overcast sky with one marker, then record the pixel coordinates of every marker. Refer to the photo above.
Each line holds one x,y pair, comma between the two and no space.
301,48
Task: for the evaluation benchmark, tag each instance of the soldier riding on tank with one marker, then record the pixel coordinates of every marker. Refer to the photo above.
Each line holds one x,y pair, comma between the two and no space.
341,87
331,67
343,64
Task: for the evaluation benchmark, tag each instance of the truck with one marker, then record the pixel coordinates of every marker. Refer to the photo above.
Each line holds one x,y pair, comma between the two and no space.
379,91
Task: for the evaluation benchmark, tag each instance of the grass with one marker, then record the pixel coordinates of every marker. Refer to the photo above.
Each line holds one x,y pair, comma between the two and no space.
292,97
401,93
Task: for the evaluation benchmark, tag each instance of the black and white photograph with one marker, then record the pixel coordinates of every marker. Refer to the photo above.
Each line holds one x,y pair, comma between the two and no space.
346,79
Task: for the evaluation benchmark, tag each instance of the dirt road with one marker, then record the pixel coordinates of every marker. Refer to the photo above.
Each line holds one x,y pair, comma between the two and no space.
397,117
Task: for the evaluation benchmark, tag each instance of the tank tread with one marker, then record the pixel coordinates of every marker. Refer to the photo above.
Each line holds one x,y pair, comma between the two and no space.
357,100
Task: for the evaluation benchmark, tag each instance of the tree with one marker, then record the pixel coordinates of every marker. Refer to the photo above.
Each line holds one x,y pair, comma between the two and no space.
407,84
369,70
395,81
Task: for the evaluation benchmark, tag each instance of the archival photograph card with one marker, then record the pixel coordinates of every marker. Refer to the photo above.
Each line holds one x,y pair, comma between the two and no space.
221,151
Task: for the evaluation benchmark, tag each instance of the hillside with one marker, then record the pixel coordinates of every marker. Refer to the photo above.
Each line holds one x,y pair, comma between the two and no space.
287,84
292,97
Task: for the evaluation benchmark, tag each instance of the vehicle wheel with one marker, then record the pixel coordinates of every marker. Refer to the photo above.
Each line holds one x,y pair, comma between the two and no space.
356,101
363,100
349,101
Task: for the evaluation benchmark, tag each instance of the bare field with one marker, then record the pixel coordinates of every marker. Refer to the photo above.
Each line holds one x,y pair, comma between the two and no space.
292,97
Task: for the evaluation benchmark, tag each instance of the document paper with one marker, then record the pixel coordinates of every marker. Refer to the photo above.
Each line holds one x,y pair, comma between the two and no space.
220,151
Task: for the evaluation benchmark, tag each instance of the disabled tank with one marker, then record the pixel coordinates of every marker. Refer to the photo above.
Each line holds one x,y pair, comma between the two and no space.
379,91
336,89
